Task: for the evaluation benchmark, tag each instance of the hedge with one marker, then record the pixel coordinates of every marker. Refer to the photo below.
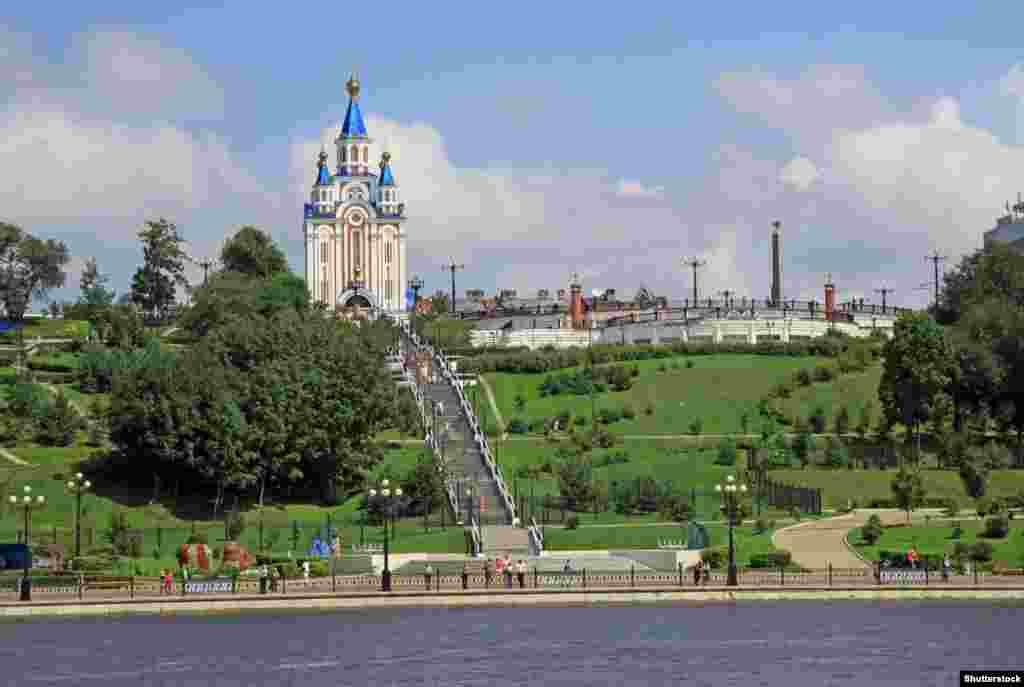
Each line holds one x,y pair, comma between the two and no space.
533,362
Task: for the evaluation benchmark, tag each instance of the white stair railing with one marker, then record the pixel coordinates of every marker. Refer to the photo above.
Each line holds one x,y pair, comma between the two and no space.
479,437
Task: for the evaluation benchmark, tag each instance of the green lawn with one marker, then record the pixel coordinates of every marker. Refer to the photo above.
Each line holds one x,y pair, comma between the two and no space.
647,537
49,329
936,538
717,390
839,486
852,391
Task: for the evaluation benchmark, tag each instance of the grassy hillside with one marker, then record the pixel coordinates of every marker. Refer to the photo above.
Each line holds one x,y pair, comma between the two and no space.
717,389
852,391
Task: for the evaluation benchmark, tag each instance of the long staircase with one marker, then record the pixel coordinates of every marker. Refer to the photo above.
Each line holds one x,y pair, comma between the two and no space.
476,488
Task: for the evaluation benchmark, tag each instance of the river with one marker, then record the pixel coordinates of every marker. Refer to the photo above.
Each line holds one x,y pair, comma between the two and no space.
771,643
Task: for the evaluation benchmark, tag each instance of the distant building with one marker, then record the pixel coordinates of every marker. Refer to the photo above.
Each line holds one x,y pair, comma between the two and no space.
1009,229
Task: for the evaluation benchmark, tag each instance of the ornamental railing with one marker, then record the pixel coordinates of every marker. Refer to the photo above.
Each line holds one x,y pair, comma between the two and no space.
452,378
536,538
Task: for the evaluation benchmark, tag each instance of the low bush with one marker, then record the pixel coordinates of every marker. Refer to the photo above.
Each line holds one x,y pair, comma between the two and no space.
803,377
996,527
572,522
628,411
824,373
518,426
696,426
689,364
871,532
649,409
771,559
617,458
980,552
715,556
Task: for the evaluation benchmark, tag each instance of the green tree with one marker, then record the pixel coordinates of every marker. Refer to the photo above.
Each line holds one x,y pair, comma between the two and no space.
727,452
841,422
575,479
424,485
871,532
916,371
29,268
95,293
57,427
253,252
908,490
163,269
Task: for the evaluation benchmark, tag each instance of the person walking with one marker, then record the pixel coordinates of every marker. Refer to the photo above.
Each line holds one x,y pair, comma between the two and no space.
567,573
465,575
163,581
946,566
507,567
428,573
696,573
305,572
488,573
521,573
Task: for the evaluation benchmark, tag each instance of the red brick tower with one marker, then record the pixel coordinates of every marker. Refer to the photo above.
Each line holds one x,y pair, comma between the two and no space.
576,302
830,298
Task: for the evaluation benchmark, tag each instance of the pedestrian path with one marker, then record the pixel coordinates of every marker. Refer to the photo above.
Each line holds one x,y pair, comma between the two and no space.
816,544
7,455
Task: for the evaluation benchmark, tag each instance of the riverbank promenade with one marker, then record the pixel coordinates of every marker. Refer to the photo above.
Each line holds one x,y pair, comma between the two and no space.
132,596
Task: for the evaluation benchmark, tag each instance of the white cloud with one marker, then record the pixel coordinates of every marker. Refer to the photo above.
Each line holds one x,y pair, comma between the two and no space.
635,189
1012,83
799,173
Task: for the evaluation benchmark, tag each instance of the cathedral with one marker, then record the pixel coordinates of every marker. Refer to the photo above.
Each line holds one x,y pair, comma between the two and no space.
353,224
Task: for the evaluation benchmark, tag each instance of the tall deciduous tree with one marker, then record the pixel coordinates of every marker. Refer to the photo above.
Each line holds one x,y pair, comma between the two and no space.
908,490
253,252
29,268
163,269
916,372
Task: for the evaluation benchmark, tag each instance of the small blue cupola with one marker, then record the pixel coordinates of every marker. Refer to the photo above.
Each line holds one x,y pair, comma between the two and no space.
386,177
323,174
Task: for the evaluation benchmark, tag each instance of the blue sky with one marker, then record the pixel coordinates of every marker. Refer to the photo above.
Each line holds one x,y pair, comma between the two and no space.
531,139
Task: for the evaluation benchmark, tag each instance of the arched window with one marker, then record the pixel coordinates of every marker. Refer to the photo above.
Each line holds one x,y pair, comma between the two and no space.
355,154
323,291
366,153
356,245
323,252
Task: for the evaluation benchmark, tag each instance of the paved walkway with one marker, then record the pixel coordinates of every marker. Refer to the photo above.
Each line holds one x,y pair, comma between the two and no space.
7,455
494,405
817,543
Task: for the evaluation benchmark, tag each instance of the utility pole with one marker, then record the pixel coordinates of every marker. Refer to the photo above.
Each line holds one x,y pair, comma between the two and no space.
884,291
694,263
935,259
452,267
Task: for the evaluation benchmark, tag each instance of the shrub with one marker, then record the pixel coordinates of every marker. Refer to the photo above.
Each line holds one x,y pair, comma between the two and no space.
689,364
634,371
950,508
996,527
607,416
817,419
803,377
572,522
957,531
617,458
771,559
518,426
319,569
980,552
649,409
783,390
824,373
871,532
674,365
605,439
620,379
842,421
794,513
58,426
628,412
662,367
727,452
519,402
761,526
714,556
91,564
696,426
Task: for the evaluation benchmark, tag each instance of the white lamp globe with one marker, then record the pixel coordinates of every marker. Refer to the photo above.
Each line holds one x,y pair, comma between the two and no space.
27,488
79,475
385,492
384,483
718,487
88,484
373,493
40,499
398,492
71,485
743,488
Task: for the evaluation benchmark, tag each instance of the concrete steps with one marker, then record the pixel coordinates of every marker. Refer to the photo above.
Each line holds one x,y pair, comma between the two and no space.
501,539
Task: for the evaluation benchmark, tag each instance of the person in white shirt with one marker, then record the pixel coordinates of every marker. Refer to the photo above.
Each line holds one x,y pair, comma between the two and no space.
305,571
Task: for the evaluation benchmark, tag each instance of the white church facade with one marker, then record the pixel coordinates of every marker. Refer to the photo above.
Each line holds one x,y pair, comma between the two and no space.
354,224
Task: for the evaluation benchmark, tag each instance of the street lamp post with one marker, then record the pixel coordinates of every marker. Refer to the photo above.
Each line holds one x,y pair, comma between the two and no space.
731,492
78,486
27,503
388,495
415,284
